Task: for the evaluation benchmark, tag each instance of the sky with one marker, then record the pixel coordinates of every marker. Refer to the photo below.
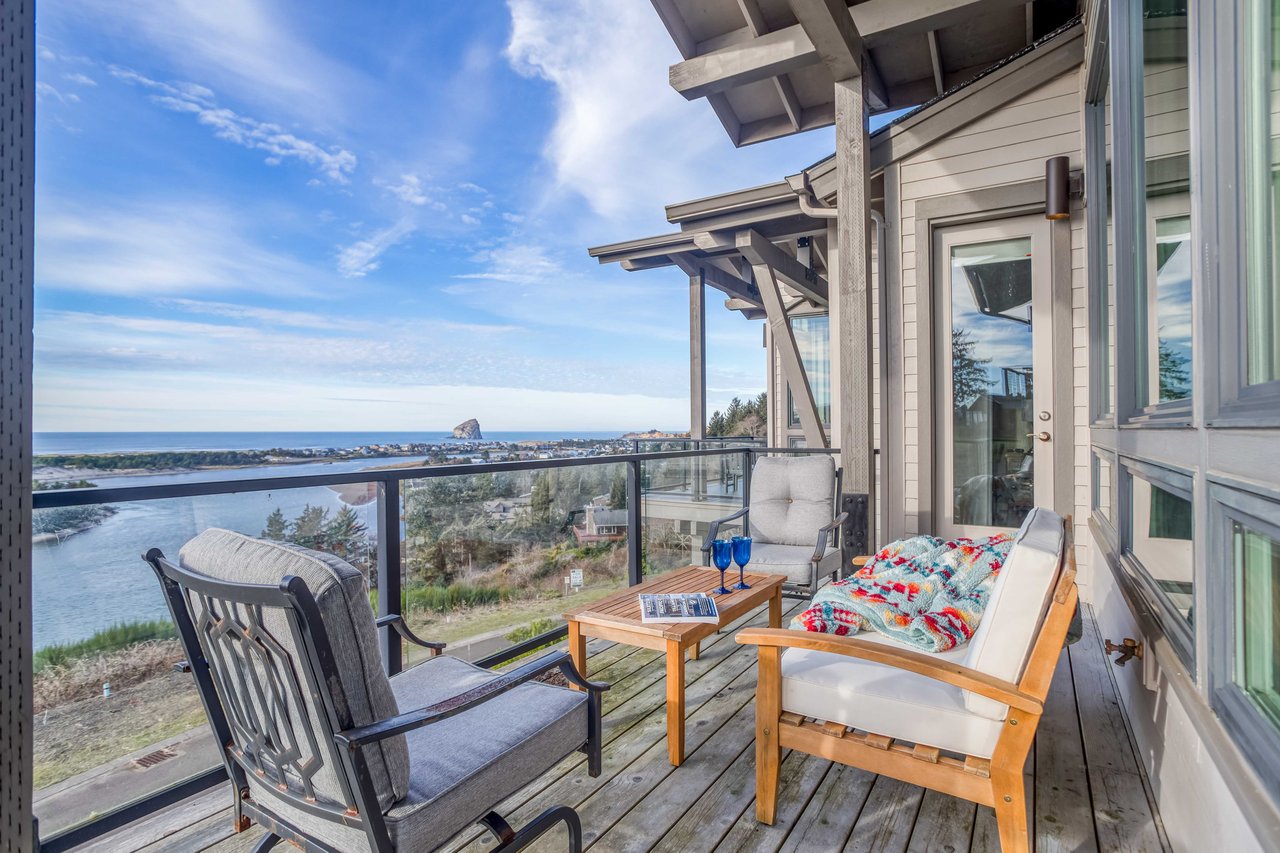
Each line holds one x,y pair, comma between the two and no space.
270,215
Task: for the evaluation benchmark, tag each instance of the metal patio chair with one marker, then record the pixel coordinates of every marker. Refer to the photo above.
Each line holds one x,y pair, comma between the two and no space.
791,504
322,748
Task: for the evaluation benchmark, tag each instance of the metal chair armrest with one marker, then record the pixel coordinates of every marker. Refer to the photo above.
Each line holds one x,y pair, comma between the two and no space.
360,736
395,620
824,534
714,529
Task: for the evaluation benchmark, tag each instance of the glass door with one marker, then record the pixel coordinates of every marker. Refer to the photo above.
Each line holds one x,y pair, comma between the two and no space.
995,415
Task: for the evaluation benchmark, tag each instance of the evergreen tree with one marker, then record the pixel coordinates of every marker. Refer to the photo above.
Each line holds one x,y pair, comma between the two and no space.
969,378
1175,379
308,529
346,534
540,499
618,491
277,528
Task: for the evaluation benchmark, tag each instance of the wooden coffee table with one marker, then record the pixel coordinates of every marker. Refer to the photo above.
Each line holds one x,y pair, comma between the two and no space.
617,618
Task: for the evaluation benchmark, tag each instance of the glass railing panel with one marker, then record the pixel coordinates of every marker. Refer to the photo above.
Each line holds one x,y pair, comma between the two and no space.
493,559
114,720
680,499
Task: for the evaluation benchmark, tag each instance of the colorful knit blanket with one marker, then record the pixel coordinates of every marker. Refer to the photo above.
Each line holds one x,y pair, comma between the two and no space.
923,591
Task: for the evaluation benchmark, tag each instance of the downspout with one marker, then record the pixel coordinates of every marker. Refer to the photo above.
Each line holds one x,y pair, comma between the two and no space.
809,206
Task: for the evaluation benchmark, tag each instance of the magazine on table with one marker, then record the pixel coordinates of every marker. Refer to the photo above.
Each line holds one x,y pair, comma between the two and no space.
678,607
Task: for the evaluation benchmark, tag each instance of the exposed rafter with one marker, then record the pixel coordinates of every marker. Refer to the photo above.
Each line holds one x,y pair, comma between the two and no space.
725,282
782,85
688,48
935,57
746,58
830,27
761,252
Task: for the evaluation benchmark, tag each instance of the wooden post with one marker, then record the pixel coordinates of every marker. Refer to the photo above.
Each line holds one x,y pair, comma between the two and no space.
853,321
784,341
698,379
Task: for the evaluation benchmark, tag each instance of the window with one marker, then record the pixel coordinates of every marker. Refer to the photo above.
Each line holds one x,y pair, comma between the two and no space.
813,339
1163,307
1160,540
1104,486
1257,567
1262,297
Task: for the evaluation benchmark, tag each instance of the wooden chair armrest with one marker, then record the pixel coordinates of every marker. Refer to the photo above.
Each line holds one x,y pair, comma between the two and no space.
963,677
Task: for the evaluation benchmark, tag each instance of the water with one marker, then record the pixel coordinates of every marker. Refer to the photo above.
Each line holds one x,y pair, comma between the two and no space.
91,580
124,442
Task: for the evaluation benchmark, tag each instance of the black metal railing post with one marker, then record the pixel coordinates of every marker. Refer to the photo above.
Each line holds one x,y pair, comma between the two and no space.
388,521
635,531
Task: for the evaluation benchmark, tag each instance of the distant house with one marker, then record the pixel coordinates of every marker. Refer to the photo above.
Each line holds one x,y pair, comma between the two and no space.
601,524
507,509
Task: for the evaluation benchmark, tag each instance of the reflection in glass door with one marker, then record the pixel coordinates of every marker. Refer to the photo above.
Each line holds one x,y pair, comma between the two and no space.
995,412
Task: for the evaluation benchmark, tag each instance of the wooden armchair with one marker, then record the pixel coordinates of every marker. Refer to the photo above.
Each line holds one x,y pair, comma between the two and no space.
961,722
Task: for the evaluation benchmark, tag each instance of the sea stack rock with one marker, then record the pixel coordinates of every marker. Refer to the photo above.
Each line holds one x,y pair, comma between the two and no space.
469,430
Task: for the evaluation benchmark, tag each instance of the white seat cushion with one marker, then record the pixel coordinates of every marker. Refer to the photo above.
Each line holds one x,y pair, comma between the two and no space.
884,700
793,561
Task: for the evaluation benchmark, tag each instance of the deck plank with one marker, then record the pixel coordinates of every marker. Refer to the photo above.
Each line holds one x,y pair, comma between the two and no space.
798,780
887,818
1122,813
943,825
827,821
1063,813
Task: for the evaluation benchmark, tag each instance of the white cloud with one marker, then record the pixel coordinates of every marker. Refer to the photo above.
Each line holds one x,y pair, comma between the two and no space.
45,90
334,162
518,262
47,55
469,219
252,49
82,79
362,257
158,248
409,190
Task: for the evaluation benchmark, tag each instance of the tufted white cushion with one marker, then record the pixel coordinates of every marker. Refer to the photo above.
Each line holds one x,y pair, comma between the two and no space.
792,498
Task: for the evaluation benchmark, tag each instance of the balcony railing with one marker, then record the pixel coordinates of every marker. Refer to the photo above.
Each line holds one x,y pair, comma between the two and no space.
668,497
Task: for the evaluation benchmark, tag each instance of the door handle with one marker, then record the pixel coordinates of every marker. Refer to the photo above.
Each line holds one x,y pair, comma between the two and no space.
1042,436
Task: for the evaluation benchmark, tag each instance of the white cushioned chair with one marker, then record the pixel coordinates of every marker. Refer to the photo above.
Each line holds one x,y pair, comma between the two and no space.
791,514
322,748
960,721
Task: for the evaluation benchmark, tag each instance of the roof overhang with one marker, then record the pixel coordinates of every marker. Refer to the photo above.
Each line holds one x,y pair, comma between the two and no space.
766,75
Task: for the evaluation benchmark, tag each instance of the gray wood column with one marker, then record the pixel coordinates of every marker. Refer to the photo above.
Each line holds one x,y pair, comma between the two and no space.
17,203
698,378
697,356
853,320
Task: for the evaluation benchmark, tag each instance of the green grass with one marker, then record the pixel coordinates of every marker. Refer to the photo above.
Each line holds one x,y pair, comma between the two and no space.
443,599
118,636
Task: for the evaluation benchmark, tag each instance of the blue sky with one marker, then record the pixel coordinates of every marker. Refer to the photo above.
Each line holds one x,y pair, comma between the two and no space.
263,215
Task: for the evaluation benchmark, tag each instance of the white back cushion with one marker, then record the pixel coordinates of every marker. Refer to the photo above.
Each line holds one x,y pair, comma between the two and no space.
792,498
1017,606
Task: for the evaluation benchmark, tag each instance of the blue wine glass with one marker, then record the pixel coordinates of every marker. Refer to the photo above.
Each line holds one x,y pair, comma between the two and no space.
722,556
741,547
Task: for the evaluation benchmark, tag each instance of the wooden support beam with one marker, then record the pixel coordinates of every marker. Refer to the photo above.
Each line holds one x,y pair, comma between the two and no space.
852,321
760,251
784,340
747,58
725,282
829,26
782,85
935,57
697,361
688,47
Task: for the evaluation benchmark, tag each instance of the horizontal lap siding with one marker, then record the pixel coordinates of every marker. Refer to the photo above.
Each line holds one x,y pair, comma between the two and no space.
1006,146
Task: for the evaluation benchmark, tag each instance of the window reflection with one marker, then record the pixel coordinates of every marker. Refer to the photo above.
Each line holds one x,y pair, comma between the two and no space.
1166,335
991,383
1161,532
1263,193
813,339
1257,565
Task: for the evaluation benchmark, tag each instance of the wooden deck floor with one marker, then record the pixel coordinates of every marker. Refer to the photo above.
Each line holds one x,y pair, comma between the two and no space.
1088,790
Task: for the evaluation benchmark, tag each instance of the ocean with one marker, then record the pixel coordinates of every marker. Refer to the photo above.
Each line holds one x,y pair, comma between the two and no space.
126,442
94,579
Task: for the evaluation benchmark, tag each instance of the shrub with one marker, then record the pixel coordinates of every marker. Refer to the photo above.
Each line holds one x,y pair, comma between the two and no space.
82,677
444,598
117,637
533,629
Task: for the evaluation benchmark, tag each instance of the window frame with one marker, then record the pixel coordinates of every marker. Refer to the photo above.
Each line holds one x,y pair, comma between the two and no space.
1181,482
1258,508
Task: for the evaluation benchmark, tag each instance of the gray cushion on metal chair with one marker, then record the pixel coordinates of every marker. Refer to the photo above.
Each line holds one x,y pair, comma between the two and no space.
461,766
794,562
791,499
342,597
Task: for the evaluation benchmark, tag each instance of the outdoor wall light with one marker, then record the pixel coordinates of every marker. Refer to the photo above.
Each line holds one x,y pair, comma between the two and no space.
1057,182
